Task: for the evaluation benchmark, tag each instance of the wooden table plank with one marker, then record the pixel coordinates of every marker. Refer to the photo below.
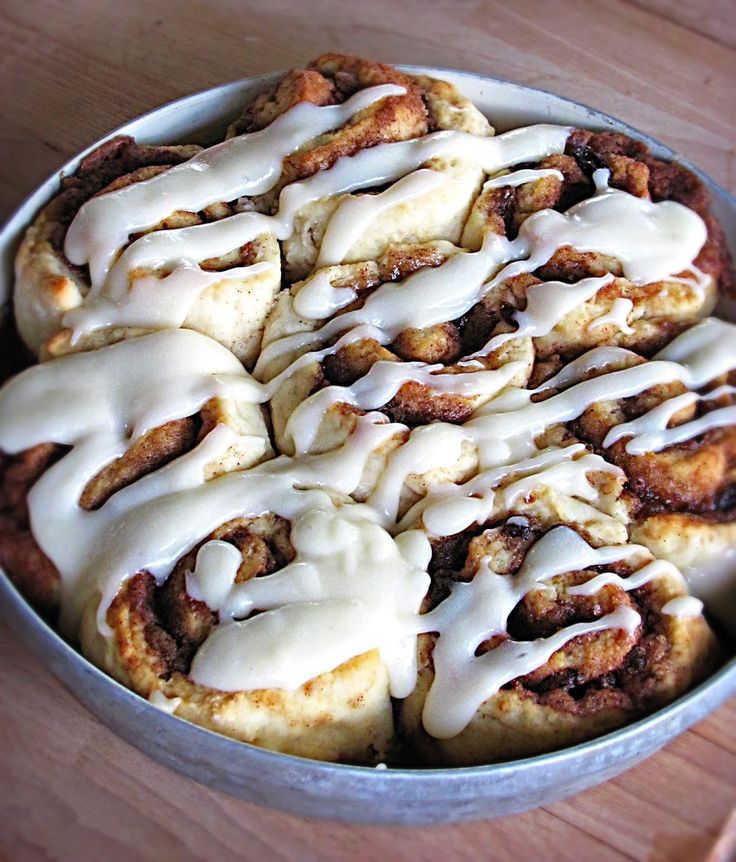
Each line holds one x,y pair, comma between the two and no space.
715,19
72,70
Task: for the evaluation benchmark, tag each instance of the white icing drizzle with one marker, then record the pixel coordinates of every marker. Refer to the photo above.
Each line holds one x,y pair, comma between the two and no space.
597,359
355,214
364,331
380,385
165,704
321,585
450,508
250,164
618,316
505,429
351,587
478,610
89,401
98,403
508,425
512,431
698,280
349,581
650,432
547,304
244,165
95,401
318,299
152,302
428,447
706,348
119,392
680,606
519,178
684,607
538,319
649,239
427,297
655,569
214,573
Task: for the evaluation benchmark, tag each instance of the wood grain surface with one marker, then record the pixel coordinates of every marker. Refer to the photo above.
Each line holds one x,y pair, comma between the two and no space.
70,71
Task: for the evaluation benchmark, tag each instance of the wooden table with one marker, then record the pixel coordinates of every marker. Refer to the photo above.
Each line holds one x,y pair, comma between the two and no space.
72,70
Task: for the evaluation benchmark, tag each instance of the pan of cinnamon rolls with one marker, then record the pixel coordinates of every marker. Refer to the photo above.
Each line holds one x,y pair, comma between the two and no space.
368,441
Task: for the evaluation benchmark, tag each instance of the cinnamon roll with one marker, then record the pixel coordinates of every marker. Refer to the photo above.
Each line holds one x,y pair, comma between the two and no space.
582,285
63,305
542,640
270,631
370,359
333,226
561,181
84,436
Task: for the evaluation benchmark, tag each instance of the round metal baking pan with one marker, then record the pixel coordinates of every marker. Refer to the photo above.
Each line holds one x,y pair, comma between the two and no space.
335,791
